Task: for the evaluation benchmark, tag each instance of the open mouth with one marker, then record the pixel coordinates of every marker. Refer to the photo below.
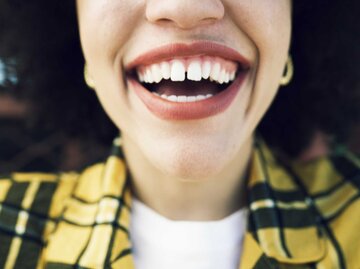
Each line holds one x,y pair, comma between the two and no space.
187,79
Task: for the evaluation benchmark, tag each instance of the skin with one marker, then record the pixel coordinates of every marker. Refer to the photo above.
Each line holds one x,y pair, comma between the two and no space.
189,170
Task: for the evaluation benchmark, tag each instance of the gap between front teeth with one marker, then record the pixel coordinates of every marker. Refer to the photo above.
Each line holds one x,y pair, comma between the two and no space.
183,98
196,70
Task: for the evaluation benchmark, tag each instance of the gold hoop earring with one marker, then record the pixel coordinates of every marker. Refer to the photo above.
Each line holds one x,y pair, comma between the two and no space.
289,72
88,80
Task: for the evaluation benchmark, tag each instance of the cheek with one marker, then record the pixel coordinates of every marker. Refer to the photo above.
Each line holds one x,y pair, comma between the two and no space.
267,24
105,26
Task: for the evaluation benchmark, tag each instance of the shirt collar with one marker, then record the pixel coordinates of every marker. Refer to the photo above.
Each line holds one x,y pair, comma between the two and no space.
283,223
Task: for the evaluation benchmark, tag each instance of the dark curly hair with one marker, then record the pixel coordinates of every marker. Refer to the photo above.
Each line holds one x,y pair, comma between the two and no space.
40,48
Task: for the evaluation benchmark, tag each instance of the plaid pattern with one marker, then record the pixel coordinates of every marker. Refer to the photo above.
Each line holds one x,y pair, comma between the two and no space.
302,216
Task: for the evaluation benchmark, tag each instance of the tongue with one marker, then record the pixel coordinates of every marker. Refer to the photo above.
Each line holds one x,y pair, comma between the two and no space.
187,88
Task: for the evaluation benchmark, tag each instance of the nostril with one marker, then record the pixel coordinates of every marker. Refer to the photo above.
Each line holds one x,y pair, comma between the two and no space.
164,21
185,14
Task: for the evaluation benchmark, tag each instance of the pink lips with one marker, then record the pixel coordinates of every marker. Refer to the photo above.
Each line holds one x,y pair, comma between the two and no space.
168,110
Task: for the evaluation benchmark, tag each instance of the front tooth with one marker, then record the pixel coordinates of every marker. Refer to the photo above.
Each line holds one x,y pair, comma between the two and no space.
177,71
194,71
182,98
165,70
206,69
156,73
215,72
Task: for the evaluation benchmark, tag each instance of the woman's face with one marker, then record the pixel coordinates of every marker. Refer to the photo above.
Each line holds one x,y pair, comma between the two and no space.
136,49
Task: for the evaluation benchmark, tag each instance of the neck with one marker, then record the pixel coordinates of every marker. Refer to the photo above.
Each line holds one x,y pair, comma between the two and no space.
212,199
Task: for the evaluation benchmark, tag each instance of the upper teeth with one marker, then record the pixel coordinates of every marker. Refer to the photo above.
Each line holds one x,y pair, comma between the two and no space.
196,69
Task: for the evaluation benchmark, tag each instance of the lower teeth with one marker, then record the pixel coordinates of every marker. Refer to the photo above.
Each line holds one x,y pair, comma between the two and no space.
183,98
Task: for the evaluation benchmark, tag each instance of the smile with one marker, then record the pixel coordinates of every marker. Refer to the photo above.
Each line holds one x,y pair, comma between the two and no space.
184,82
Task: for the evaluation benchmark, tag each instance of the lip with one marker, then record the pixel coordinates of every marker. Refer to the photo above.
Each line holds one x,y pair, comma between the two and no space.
169,110
178,50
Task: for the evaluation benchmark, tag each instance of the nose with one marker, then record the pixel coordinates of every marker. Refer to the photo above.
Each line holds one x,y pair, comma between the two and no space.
184,14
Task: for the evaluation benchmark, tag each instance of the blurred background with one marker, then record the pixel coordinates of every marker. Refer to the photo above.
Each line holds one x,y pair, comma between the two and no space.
23,148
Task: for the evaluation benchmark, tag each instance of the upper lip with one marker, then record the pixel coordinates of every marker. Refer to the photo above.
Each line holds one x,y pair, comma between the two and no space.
177,50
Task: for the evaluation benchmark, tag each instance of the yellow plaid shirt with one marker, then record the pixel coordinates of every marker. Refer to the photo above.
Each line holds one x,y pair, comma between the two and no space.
302,216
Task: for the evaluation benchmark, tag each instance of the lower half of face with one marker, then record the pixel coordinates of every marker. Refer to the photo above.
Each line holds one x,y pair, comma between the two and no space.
186,82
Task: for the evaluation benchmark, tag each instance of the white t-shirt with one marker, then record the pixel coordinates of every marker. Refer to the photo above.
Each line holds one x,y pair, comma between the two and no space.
166,244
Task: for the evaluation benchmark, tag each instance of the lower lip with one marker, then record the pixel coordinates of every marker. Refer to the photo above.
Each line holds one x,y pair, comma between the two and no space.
168,110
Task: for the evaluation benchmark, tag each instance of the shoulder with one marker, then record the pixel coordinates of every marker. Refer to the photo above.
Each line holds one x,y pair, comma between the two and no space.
35,192
31,205
333,183
42,194
318,200
326,175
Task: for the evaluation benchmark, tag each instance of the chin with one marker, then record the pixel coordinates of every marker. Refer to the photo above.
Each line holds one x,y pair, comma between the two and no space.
191,163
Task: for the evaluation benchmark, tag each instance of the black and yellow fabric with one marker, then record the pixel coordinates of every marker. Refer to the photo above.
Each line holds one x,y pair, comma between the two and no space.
302,216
